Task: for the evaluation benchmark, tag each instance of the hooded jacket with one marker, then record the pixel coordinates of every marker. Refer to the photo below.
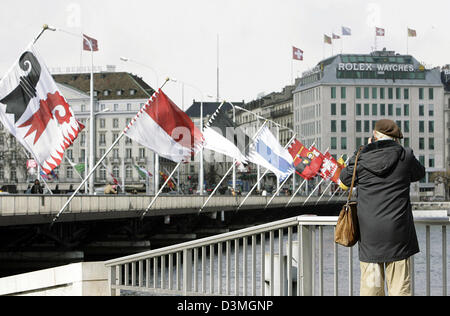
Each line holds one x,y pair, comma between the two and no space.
383,178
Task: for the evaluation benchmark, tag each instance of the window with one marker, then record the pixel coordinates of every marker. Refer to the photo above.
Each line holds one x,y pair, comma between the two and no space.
142,154
358,92
398,110
390,109
431,110
128,153
343,109
366,126
115,123
69,153
421,127
431,127
333,92
382,93
358,126
421,110
333,143
366,93
13,175
431,93
422,144
358,109
333,127
132,92
390,93
431,161
431,143
333,109
116,172
82,154
406,126
344,143
115,153
374,109
119,92
2,140
102,173
116,107
102,123
421,93
406,110
406,142
106,93
399,124
358,142
422,160
382,109
344,126
374,93
129,107
129,172
128,141
115,136
83,108
69,173
2,173
406,94
398,93
343,92
102,140
367,109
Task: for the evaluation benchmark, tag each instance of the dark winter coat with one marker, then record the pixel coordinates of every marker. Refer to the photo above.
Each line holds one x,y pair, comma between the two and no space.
384,175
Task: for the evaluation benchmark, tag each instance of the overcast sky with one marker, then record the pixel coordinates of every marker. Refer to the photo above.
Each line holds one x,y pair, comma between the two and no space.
178,38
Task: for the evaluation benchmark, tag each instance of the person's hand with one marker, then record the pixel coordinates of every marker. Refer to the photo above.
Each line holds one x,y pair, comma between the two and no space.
370,141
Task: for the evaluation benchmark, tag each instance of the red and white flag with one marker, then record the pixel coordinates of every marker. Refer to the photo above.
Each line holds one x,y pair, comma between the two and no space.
165,129
297,53
380,31
34,111
88,41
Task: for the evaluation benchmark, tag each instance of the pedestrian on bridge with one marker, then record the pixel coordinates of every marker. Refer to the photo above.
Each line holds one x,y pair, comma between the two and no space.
388,237
37,188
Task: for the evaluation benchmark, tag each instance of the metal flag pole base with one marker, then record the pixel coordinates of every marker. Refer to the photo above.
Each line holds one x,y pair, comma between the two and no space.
296,192
314,191
278,191
160,190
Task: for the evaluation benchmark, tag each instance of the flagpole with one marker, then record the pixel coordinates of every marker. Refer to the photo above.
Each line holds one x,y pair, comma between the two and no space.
296,192
278,191
160,190
45,27
229,170
73,166
91,172
262,177
315,189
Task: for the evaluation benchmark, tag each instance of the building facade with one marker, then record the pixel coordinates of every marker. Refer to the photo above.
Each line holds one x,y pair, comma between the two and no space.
337,104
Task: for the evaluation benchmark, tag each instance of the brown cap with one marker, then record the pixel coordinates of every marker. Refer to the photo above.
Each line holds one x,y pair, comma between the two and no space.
388,128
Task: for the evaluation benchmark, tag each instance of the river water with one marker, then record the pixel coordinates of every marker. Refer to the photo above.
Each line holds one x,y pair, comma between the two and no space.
343,266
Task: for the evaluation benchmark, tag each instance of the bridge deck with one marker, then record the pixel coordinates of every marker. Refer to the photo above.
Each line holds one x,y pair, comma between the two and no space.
26,209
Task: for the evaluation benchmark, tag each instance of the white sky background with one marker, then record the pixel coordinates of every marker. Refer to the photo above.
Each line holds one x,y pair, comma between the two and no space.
178,38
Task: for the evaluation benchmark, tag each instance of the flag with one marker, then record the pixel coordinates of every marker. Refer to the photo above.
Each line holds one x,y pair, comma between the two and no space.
165,129
327,39
335,36
224,136
267,152
346,31
170,184
297,53
88,41
33,110
307,162
143,173
380,31
80,168
331,169
412,33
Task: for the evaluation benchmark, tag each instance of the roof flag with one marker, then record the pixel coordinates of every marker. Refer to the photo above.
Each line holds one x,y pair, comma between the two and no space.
412,33
297,53
88,41
380,31
327,39
346,31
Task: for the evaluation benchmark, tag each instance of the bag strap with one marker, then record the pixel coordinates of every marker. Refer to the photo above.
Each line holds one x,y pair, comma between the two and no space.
354,175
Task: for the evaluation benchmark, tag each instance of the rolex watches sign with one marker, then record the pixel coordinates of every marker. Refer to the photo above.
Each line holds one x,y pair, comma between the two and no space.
380,68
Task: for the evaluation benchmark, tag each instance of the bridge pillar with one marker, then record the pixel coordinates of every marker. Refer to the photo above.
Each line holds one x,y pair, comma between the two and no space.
187,271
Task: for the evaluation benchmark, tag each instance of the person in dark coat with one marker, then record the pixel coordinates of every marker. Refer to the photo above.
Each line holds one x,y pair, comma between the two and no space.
36,188
388,237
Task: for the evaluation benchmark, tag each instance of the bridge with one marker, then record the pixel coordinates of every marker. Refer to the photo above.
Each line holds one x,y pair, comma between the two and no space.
41,209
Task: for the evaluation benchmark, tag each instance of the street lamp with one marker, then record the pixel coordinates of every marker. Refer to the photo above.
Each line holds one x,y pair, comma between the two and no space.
126,59
203,95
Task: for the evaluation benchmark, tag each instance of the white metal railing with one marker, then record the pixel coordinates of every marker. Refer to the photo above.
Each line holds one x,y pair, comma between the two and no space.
282,258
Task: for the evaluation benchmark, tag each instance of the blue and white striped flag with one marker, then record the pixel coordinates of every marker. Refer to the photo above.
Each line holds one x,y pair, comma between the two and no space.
267,152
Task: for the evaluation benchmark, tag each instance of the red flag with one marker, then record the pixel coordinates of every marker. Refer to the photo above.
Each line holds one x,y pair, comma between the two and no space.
380,31
331,169
327,39
297,53
170,184
335,36
165,129
307,162
88,41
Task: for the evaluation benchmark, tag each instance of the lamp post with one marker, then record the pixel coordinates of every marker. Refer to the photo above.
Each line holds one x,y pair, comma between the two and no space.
201,174
156,156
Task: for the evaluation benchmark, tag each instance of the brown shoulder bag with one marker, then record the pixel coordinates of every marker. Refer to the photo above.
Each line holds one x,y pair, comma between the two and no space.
347,228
